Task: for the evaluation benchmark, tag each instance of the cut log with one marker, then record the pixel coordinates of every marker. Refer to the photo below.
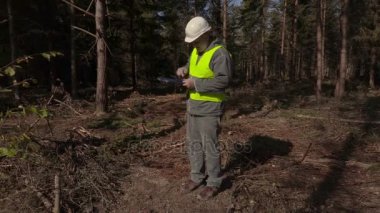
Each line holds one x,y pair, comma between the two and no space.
338,119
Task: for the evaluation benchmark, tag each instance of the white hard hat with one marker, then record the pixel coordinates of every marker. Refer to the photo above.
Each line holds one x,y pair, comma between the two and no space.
196,27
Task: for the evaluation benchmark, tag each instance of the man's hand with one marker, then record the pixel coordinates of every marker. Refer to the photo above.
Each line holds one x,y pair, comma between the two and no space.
188,83
181,72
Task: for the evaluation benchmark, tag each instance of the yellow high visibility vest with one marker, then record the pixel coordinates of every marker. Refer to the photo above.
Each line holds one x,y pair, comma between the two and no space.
201,69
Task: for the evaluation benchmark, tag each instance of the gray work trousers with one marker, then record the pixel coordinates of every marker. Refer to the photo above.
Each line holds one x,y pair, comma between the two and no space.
203,148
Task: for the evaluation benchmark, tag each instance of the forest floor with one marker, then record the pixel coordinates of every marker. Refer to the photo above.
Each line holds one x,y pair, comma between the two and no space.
281,152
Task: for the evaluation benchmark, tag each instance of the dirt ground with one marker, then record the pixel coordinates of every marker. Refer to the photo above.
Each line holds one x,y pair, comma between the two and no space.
281,152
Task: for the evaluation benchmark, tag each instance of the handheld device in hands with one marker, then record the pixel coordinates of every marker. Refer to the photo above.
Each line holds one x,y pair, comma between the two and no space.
170,80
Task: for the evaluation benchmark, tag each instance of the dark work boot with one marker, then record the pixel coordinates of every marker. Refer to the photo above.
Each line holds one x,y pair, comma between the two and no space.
207,193
190,186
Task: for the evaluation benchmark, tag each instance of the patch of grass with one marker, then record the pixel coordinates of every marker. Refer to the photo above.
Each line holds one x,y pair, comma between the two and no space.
291,113
374,168
154,124
113,122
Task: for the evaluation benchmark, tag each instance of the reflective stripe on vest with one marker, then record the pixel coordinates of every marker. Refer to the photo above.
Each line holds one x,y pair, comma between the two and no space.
201,69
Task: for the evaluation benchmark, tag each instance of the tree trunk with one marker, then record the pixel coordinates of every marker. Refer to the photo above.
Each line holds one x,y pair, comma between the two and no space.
74,89
225,15
12,47
195,7
283,28
373,67
299,65
292,71
263,74
11,30
132,46
374,47
217,16
263,69
323,17
101,85
246,69
341,81
251,72
319,51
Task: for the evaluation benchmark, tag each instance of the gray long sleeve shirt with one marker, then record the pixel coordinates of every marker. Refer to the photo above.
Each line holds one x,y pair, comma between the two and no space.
221,65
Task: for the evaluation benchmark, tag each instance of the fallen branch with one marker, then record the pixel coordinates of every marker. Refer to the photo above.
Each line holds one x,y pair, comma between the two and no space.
305,154
338,119
84,133
261,114
265,111
68,106
57,192
328,161
48,205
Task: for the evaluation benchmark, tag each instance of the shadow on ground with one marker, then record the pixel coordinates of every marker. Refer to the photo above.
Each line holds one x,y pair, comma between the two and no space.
331,181
136,143
371,113
286,94
325,189
257,150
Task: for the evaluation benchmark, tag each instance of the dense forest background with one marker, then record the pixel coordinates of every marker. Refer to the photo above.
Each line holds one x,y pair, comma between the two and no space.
327,42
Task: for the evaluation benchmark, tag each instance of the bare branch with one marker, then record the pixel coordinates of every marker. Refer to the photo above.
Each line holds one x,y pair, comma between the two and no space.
105,42
68,106
18,83
338,119
44,199
92,47
305,154
57,192
93,35
3,21
89,6
85,31
107,47
78,8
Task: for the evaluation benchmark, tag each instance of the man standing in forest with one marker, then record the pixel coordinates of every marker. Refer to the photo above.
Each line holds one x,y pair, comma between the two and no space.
206,76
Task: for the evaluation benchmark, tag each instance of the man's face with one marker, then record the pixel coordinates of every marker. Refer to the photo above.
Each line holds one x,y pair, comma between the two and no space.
201,43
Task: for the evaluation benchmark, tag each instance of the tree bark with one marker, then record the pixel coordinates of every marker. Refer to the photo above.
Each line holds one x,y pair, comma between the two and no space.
11,30
263,68
132,45
218,14
195,7
323,17
101,85
374,46
283,27
319,51
57,194
246,69
341,81
74,87
373,67
292,71
12,47
261,59
299,65
225,15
